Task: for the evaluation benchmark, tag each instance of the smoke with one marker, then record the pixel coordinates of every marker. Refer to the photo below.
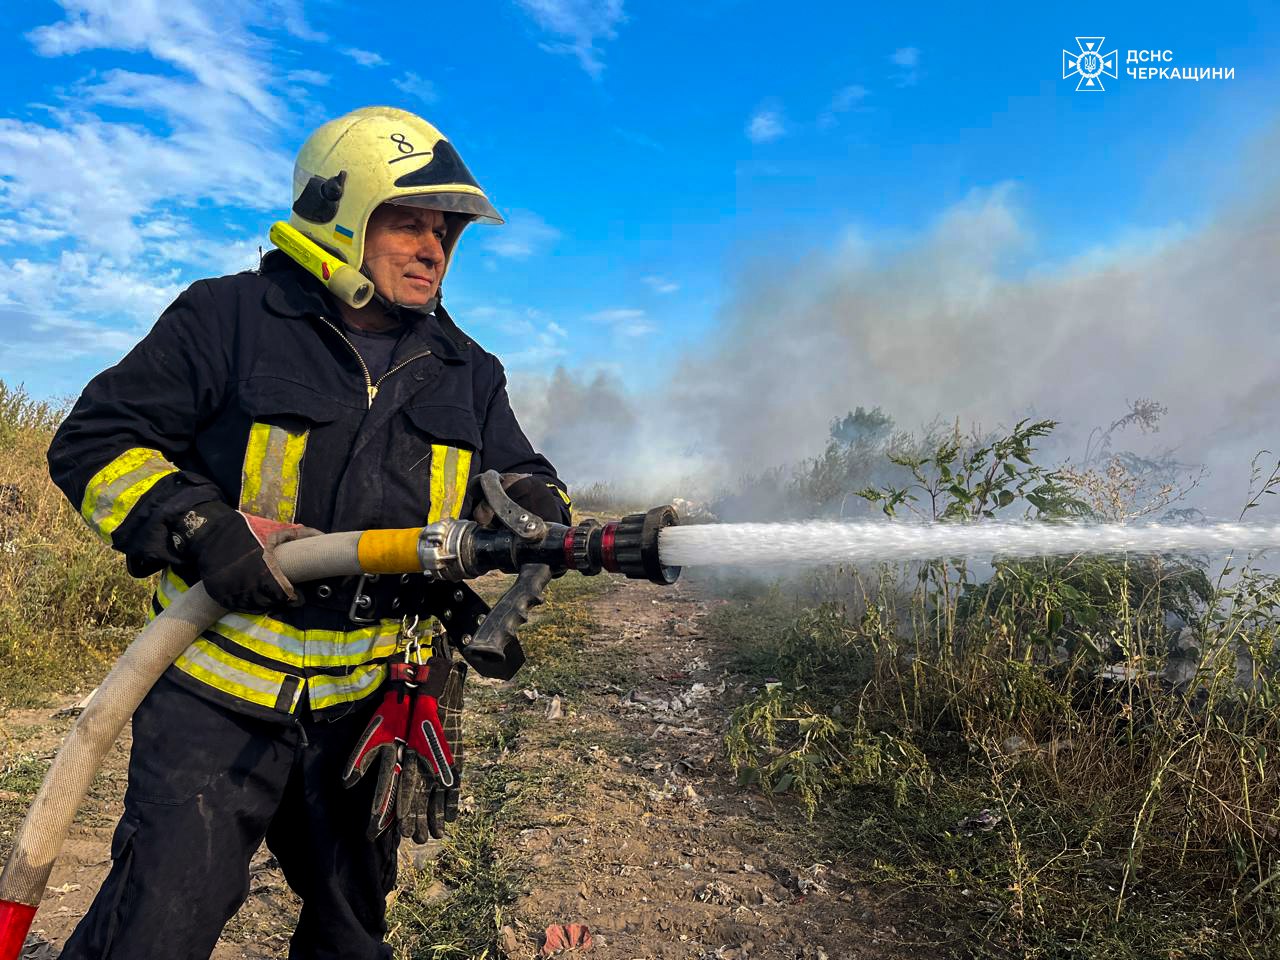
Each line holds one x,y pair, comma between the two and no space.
959,322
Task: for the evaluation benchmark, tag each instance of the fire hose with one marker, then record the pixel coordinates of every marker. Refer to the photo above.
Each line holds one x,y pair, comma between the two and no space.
449,550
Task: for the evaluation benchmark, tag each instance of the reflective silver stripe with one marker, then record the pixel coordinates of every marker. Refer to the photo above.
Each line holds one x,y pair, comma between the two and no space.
200,661
272,468
115,490
327,691
291,646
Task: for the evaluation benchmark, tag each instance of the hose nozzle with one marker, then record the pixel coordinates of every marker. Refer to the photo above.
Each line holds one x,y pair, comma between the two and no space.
463,550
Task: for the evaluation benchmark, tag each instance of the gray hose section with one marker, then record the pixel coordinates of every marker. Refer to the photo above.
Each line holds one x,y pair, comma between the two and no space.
45,828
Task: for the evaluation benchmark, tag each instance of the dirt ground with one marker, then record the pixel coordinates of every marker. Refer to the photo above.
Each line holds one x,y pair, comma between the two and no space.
643,835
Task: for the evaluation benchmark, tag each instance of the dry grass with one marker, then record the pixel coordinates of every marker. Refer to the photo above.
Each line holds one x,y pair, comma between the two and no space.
67,606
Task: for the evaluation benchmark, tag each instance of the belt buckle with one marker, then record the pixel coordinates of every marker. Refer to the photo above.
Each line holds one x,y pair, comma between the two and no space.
362,601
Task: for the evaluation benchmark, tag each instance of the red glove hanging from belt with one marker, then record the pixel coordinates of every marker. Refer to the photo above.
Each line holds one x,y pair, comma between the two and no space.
405,739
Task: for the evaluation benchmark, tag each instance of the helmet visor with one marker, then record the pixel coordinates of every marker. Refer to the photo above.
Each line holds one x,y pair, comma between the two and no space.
469,204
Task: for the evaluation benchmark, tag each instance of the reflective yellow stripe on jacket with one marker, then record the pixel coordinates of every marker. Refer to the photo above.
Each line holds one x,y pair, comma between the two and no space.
286,660
296,652
272,472
116,489
450,468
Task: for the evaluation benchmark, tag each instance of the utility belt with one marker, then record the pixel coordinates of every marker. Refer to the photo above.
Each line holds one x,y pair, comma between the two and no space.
367,598
371,597
265,665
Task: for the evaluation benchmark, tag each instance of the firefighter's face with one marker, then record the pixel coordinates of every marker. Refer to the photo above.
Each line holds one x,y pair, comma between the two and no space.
404,253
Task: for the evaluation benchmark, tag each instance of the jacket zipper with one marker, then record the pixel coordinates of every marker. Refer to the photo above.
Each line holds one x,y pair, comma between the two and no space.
370,385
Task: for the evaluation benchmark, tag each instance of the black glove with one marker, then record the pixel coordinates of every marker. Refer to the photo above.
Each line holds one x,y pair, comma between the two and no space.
233,552
538,495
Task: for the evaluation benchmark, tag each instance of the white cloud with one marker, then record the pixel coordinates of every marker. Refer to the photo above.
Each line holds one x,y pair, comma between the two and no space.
625,321
412,85
765,125
312,78
908,58
522,236
366,58
101,201
845,99
211,45
582,24
661,285
61,301
639,139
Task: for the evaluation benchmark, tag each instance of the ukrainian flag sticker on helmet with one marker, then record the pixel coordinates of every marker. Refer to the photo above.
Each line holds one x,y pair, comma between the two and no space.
342,234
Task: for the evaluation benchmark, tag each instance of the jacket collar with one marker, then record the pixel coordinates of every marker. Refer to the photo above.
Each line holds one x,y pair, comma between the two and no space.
292,292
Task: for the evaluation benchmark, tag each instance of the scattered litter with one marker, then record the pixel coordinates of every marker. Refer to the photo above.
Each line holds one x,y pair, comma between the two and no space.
561,937
638,698
812,883
984,821
39,950
65,888
670,708
1014,745
509,941
672,793
554,710
531,695
717,892
76,708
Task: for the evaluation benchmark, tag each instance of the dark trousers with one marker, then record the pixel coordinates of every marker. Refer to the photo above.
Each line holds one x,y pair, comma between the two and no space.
206,787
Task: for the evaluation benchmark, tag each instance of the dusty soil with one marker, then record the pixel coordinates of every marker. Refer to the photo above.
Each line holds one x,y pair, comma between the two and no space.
641,833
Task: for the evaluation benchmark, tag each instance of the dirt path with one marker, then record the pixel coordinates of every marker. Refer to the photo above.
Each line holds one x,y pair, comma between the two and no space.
656,849
620,813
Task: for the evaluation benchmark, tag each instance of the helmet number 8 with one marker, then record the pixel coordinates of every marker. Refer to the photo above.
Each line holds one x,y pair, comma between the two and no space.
402,143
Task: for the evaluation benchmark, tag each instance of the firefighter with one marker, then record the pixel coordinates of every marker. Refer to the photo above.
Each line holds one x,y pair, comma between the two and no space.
261,407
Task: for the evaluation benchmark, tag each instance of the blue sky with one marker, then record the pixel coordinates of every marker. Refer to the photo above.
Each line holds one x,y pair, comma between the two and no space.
657,162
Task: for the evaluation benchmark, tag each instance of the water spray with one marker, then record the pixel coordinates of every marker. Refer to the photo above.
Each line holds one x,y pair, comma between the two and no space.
820,543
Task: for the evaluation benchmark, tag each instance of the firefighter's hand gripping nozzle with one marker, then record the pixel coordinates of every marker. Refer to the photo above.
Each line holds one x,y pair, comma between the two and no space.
535,550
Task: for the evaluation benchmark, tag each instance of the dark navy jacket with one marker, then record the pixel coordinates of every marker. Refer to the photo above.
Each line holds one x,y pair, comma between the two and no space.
254,346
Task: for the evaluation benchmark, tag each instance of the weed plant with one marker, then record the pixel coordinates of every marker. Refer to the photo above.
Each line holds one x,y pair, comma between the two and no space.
1070,758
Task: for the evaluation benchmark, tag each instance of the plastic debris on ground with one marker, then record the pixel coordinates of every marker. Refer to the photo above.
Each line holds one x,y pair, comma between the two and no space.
984,821
565,937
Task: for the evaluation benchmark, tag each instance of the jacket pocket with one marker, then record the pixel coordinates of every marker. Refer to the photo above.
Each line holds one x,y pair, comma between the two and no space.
444,446
448,425
274,399
283,413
